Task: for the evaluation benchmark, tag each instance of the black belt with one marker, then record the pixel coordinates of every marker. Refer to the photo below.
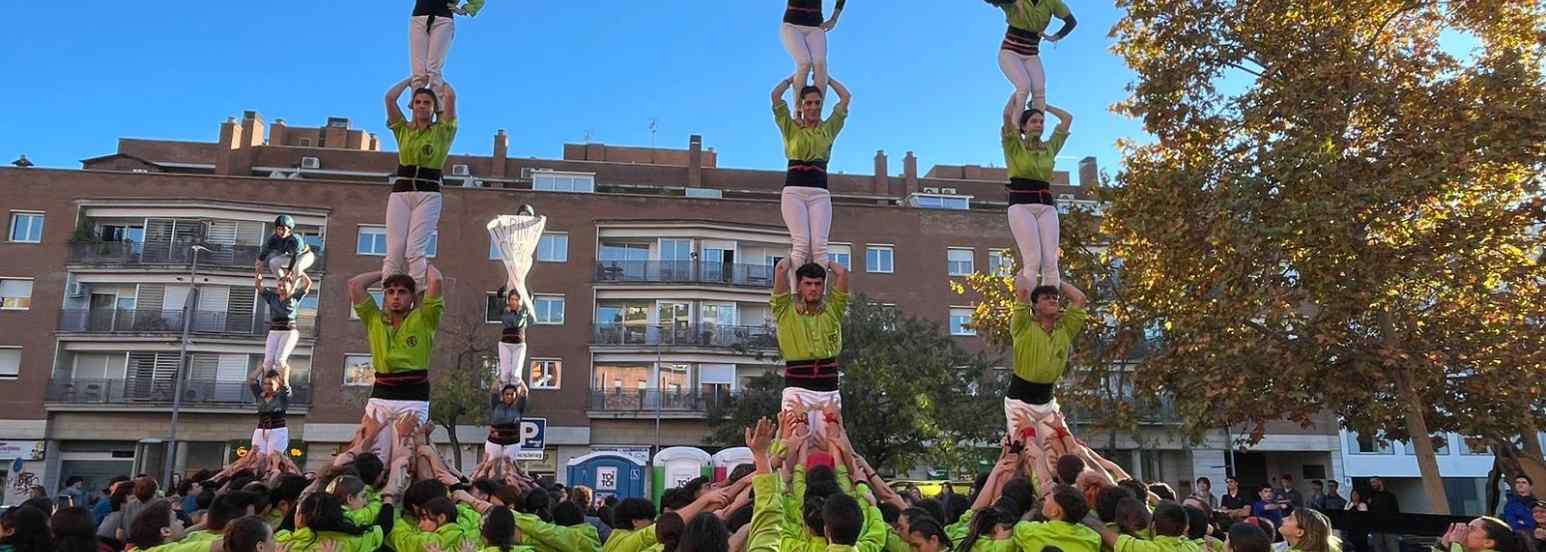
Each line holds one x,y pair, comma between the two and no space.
1026,191
805,13
504,435
807,174
281,325
413,178
513,335
1021,41
816,374
408,386
1029,392
271,421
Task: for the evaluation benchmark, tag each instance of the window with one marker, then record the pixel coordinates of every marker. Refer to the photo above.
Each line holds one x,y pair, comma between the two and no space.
494,309
1000,263
1440,446
545,373
305,142
563,182
961,261
434,245
713,193
372,241
10,362
15,294
375,295
959,317
26,227
549,309
1360,444
936,201
1474,447
553,248
358,371
493,251
878,258
841,254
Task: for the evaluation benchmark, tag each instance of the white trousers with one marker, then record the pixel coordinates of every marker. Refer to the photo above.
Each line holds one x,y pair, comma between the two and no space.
512,362
1044,417
265,441
279,265
411,220
812,402
386,411
427,47
808,215
276,351
491,450
1035,228
1030,81
808,47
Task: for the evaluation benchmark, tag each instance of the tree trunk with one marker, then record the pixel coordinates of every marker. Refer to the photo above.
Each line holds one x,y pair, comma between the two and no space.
1531,437
1493,476
1417,428
456,446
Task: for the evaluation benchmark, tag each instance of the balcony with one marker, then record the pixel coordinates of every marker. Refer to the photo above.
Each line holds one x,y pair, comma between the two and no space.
140,321
159,391
755,276
685,335
646,402
138,255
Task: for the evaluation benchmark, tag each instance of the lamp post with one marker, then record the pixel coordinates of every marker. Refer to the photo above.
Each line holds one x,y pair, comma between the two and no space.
190,308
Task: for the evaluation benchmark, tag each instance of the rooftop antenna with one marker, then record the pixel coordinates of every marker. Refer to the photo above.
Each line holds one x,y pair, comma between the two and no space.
653,125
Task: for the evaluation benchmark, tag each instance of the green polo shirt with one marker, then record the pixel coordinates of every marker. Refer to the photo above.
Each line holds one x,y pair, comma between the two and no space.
1041,357
808,143
426,148
1033,162
1070,537
813,336
407,347
767,511
195,541
304,540
629,540
548,537
1127,543
1034,16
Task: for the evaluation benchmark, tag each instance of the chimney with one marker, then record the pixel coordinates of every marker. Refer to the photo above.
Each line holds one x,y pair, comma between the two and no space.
375,145
910,173
336,133
1089,173
881,178
695,161
252,129
501,151
276,133
229,133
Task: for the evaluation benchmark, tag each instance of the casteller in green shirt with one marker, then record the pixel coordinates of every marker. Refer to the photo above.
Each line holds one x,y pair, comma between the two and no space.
426,148
1032,161
1128,543
401,355
1040,356
1068,537
1034,16
810,336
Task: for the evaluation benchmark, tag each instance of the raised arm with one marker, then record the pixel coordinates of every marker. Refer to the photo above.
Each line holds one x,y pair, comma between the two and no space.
839,276
781,277
779,89
447,102
843,95
1075,297
836,12
359,286
1065,119
432,281
395,113
259,282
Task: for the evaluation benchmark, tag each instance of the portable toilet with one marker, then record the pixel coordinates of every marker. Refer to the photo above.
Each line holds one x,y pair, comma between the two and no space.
726,460
609,473
674,466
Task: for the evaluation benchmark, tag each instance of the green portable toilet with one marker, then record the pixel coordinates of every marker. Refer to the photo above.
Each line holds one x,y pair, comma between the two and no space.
674,466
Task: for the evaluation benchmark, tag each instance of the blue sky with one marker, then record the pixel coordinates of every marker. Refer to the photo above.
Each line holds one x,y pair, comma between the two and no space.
924,75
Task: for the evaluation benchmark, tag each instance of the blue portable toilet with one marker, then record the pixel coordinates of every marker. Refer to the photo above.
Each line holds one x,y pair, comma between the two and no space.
609,474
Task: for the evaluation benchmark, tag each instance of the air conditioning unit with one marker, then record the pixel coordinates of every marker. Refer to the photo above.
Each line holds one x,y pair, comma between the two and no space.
459,170
931,190
77,289
311,163
950,191
472,183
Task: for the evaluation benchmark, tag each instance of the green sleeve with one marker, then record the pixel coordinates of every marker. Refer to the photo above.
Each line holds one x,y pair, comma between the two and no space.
1128,543
958,530
369,541
1010,139
1025,536
780,304
894,542
794,502
1058,138
838,300
782,119
843,482
366,515
406,537
474,6
367,309
1060,9
834,124
623,540
873,537
431,310
549,537
766,513
1073,321
1019,317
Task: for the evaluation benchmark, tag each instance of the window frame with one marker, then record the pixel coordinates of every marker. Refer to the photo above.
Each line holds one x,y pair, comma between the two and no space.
950,321
971,261
870,267
376,294
17,375
537,312
554,235
1006,265
488,301
32,282
344,376
1389,448
537,176
16,215
360,232
832,254
558,371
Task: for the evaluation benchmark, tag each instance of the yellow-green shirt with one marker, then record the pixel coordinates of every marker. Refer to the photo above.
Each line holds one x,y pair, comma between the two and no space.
1032,536
1028,161
406,348
767,512
304,540
957,531
426,148
629,540
196,541
1034,16
365,515
1042,357
548,537
809,337
808,143
1128,543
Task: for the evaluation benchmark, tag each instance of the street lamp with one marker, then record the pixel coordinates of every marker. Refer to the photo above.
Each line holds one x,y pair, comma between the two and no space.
190,308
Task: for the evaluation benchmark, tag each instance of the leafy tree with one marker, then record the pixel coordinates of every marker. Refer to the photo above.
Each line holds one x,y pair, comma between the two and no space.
1345,216
463,374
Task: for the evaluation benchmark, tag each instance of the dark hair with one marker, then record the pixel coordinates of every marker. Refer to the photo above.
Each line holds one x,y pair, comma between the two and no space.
42,503
675,499
370,468
1139,490
1106,500
509,387
227,507
1196,523
932,508
1026,116
1018,490
631,509
120,495
325,512
439,506
428,92
1526,478
402,281
927,527
1205,480
1316,483
1169,520
245,534
30,529
145,532
740,471
345,487
1244,537
705,533
486,486
1068,466
1039,291
889,512
508,494
1132,515
843,519
287,488
568,514
1074,506
539,503
741,516
145,488
1163,491
810,512
956,506
499,528
808,89
983,524
810,270
74,530
71,480
421,492
185,486
1503,538
668,530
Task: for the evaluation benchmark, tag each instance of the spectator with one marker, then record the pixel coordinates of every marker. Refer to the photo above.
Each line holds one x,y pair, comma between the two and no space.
1538,512
112,526
1244,537
75,490
1483,534
1317,495
104,505
1238,506
1381,501
73,530
1287,495
1268,506
36,491
1204,492
26,530
1517,511
1334,500
1307,530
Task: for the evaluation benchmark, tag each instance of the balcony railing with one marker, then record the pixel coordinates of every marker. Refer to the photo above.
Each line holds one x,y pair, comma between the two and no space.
142,321
144,391
685,272
129,253
651,400
685,335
